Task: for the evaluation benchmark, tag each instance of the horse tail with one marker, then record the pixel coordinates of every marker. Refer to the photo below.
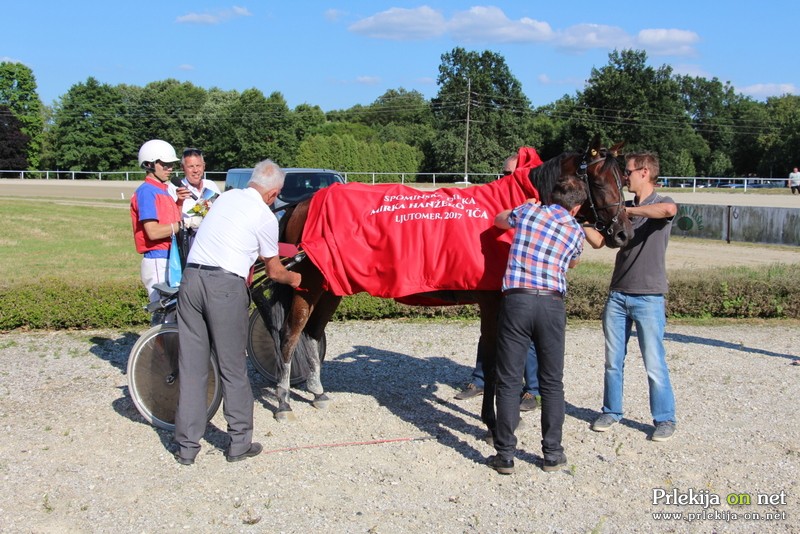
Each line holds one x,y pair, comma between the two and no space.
305,354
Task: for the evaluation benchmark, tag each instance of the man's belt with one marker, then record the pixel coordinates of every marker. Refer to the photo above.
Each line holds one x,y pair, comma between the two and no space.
211,268
531,291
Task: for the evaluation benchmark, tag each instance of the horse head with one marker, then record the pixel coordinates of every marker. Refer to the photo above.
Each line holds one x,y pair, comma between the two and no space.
601,171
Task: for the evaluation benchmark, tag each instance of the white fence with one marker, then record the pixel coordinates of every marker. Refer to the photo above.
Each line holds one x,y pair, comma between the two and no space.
693,183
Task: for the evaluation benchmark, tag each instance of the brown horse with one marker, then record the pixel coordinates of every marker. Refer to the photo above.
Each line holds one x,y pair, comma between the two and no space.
303,314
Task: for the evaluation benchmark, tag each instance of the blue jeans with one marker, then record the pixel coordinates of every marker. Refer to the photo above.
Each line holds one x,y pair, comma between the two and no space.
647,312
531,384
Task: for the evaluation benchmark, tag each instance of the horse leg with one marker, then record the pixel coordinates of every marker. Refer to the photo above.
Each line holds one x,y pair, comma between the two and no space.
315,329
295,322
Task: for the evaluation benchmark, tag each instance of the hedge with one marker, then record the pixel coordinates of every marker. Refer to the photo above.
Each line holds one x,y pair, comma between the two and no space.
745,293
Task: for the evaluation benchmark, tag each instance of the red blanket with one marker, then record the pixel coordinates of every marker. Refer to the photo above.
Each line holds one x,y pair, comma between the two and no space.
393,241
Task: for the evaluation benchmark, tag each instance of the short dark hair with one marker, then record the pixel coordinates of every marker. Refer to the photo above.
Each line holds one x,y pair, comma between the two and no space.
569,192
646,159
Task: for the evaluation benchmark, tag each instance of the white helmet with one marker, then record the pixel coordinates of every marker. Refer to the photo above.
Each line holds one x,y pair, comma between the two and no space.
157,150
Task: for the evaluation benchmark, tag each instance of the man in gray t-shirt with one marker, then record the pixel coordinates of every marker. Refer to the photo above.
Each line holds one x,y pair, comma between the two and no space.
637,297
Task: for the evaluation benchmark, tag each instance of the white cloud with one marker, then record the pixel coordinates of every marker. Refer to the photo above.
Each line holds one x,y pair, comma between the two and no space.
368,80
398,24
764,90
185,66
214,17
582,37
491,24
333,15
665,42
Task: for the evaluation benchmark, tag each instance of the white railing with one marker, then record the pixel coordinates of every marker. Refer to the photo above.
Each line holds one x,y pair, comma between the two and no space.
458,178
126,176
693,183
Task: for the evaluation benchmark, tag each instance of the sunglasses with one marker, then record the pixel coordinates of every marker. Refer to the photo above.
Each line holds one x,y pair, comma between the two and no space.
192,152
627,172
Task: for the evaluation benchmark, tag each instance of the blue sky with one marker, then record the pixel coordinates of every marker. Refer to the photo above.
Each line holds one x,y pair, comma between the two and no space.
336,54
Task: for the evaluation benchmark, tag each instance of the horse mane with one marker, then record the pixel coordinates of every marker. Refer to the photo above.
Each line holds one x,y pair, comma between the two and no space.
545,176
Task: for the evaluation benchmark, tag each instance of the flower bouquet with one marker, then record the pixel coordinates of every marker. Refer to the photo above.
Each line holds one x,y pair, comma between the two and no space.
196,213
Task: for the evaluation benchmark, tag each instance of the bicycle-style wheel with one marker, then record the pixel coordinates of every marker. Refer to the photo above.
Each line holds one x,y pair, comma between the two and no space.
153,377
265,358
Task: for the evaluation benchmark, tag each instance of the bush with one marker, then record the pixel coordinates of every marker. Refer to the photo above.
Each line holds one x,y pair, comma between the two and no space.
56,304
743,293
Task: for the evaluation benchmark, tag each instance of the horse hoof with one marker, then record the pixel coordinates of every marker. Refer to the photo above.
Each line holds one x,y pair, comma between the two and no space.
284,416
321,401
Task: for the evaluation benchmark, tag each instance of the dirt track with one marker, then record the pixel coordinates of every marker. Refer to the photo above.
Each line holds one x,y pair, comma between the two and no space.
394,452
117,190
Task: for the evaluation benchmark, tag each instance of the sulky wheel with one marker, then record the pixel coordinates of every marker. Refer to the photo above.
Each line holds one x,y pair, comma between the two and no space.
153,377
264,357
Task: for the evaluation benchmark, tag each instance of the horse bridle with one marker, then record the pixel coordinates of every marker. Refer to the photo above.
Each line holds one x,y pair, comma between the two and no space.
583,175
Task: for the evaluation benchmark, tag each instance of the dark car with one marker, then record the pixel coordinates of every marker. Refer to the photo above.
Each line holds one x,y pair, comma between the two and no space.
299,184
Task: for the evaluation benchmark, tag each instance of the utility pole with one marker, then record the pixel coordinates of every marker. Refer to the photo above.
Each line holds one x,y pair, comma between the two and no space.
466,136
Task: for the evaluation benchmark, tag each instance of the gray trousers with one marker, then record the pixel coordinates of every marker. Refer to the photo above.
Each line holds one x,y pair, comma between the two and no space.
212,320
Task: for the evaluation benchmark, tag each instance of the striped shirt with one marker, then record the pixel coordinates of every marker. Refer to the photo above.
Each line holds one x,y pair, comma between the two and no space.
547,238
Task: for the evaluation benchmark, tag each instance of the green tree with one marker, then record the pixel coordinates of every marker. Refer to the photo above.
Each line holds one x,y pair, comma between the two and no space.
92,131
752,130
214,130
18,93
549,128
281,142
629,100
476,91
263,128
781,144
308,120
710,106
347,154
167,110
13,142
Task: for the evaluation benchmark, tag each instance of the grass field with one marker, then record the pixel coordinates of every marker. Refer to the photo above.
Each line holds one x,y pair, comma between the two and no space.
71,263
48,239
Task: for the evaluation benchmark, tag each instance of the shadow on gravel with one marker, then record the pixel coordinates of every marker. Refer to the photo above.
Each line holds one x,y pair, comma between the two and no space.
114,351
407,387
683,338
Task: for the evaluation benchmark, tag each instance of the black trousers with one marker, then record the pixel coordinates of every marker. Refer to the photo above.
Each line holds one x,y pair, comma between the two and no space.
523,319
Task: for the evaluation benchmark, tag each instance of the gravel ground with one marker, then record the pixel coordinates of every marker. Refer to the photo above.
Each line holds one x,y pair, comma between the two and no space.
394,452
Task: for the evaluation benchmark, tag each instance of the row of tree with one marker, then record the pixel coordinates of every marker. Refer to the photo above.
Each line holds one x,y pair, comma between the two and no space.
698,127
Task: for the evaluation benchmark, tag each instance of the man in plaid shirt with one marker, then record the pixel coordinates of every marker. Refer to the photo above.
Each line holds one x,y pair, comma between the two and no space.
547,241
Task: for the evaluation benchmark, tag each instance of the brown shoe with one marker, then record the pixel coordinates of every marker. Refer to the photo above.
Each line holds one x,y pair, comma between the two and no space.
470,391
528,403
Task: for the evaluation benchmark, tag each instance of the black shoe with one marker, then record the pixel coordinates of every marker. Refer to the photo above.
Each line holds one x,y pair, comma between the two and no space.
255,450
183,461
550,466
504,467
470,391
528,403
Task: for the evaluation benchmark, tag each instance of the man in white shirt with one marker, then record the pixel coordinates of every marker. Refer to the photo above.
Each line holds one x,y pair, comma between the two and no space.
213,310
194,170
794,181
